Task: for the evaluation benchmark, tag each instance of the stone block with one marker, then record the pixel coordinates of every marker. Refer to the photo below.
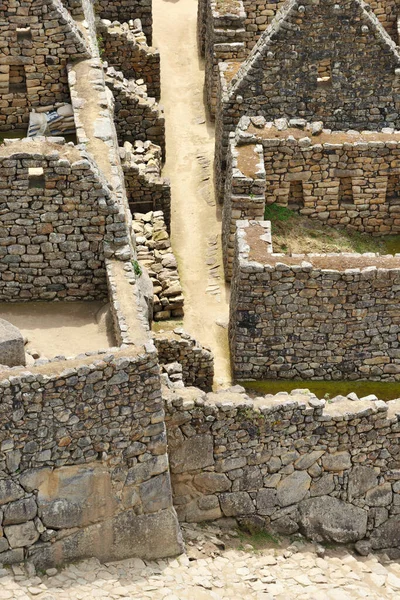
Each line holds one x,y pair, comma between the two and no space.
387,535
361,479
266,501
236,503
75,496
293,488
20,536
156,494
212,482
332,520
10,491
193,453
339,461
20,511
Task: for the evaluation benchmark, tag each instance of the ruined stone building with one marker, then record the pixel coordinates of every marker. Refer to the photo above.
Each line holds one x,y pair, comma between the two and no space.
103,452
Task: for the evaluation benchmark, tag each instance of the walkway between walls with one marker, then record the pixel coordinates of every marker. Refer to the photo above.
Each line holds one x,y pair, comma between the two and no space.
196,221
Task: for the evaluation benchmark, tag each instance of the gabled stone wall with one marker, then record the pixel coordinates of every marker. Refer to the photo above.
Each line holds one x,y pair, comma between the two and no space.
58,219
316,62
288,463
312,316
128,52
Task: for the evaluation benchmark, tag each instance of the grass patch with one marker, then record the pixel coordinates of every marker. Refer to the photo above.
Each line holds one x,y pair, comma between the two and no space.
293,233
258,539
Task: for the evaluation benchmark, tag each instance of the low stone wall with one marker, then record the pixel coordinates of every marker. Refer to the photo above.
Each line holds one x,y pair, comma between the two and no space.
84,469
288,463
57,218
125,48
126,10
145,188
196,360
333,316
136,116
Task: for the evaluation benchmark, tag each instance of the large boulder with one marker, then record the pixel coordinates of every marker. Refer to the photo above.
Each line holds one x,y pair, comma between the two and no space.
326,519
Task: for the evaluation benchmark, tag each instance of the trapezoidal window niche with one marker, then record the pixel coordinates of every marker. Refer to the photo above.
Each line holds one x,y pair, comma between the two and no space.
296,196
17,80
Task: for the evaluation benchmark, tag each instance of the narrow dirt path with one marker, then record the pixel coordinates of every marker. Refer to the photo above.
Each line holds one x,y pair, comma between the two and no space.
196,224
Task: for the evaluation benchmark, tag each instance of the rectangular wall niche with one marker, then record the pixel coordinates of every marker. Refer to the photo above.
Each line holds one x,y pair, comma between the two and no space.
393,190
324,76
36,178
24,33
17,80
296,196
346,191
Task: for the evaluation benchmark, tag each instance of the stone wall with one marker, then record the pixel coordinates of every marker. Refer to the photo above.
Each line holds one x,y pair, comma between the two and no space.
125,49
146,189
30,76
84,469
58,218
288,463
126,10
136,116
309,64
197,361
333,316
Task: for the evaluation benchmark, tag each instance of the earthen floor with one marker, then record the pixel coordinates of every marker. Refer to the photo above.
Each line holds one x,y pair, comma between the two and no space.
60,328
196,220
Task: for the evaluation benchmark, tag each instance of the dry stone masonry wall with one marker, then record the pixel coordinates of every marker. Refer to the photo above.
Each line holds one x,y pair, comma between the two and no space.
125,48
288,463
126,10
136,116
155,254
83,463
146,189
312,316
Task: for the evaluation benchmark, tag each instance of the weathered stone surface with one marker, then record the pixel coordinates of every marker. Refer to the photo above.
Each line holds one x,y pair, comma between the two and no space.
235,504
20,511
293,488
307,460
194,453
266,501
323,486
332,520
339,461
380,495
75,497
212,482
387,535
123,536
156,494
361,479
9,491
23,535
205,508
